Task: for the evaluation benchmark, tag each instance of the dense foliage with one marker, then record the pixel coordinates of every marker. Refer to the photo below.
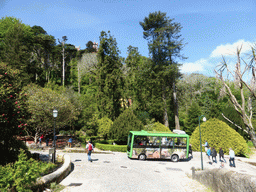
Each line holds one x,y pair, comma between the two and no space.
41,102
109,78
218,134
100,83
104,127
13,119
126,122
156,127
22,175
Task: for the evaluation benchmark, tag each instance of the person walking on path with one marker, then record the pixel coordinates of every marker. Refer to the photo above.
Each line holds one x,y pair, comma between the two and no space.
70,142
190,150
214,155
41,139
206,146
89,147
209,153
221,154
47,140
231,158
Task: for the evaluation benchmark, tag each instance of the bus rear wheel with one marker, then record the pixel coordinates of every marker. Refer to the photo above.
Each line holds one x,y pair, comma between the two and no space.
175,158
142,157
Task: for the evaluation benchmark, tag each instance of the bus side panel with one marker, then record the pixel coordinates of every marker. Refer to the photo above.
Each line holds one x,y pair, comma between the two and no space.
151,153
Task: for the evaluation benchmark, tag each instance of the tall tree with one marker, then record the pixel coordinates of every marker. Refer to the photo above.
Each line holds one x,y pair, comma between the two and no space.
43,45
87,64
109,77
64,39
15,45
165,44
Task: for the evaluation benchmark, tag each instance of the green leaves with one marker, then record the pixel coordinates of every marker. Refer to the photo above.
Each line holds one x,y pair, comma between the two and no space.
22,174
42,101
219,134
109,77
126,122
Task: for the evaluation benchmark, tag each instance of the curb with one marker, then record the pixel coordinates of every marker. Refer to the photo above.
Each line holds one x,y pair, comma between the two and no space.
58,175
79,150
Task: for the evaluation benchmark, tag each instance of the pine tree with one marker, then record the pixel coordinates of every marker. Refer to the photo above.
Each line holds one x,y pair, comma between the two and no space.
192,120
165,44
109,77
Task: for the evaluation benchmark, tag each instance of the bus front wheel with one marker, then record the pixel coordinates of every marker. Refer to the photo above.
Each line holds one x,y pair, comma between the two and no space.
175,158
142,157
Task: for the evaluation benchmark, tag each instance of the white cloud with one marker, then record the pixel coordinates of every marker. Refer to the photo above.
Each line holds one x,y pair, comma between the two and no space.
197,66
231,49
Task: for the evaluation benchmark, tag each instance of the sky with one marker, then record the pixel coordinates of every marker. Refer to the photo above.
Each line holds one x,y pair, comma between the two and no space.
211,28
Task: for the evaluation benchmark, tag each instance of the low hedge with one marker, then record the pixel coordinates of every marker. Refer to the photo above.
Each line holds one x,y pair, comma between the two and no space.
107,147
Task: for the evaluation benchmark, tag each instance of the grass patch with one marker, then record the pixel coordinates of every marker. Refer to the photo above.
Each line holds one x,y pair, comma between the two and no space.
56,187
108,147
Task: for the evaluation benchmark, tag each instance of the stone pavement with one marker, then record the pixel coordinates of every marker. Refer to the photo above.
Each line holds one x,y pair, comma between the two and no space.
116,172
183,168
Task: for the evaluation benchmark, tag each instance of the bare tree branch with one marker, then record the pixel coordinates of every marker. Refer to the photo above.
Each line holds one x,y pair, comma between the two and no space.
233,123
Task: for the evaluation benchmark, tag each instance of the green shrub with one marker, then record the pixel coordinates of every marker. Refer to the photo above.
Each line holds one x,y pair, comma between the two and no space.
104,127
107,147
21,175
219,134
126,122
156,127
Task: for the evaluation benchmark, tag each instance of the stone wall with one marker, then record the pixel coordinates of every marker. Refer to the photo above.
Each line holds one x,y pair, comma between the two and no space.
225,180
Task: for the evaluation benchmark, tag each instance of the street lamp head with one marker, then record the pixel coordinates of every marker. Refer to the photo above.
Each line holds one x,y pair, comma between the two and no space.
55,113
204,119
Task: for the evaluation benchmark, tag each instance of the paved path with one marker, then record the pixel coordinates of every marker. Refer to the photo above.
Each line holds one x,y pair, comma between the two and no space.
116,172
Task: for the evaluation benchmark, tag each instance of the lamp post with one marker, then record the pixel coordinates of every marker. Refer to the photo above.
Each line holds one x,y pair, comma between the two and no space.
55,114
204,119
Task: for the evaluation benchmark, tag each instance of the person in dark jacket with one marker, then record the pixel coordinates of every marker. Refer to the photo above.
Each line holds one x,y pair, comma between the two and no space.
190,150
221,154
214,155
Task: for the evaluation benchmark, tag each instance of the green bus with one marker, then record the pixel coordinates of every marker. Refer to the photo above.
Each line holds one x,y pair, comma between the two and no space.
158,145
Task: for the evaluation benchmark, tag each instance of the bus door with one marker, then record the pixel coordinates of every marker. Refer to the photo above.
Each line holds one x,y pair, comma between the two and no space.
139,146
167,147
180,146
153,147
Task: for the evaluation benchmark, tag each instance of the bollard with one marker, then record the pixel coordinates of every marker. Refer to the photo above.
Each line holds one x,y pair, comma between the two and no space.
193,173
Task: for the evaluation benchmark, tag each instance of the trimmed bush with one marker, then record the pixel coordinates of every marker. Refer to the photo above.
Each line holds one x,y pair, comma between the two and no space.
107,147
219,134
156,127
126,122
104,127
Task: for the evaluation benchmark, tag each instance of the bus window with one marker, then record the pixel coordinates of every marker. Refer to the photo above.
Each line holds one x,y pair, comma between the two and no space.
167,142
180,142
140,141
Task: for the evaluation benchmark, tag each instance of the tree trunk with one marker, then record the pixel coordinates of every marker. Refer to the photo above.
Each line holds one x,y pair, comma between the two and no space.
166,120
36,136
63,67
79,79
176,108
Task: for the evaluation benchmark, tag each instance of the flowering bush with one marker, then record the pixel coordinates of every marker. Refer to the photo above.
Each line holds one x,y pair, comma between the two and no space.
13,112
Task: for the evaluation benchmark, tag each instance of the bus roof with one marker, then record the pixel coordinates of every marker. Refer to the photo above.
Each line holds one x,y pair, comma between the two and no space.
155,133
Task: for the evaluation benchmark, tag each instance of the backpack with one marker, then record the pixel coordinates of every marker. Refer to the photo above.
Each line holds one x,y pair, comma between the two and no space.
90,147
